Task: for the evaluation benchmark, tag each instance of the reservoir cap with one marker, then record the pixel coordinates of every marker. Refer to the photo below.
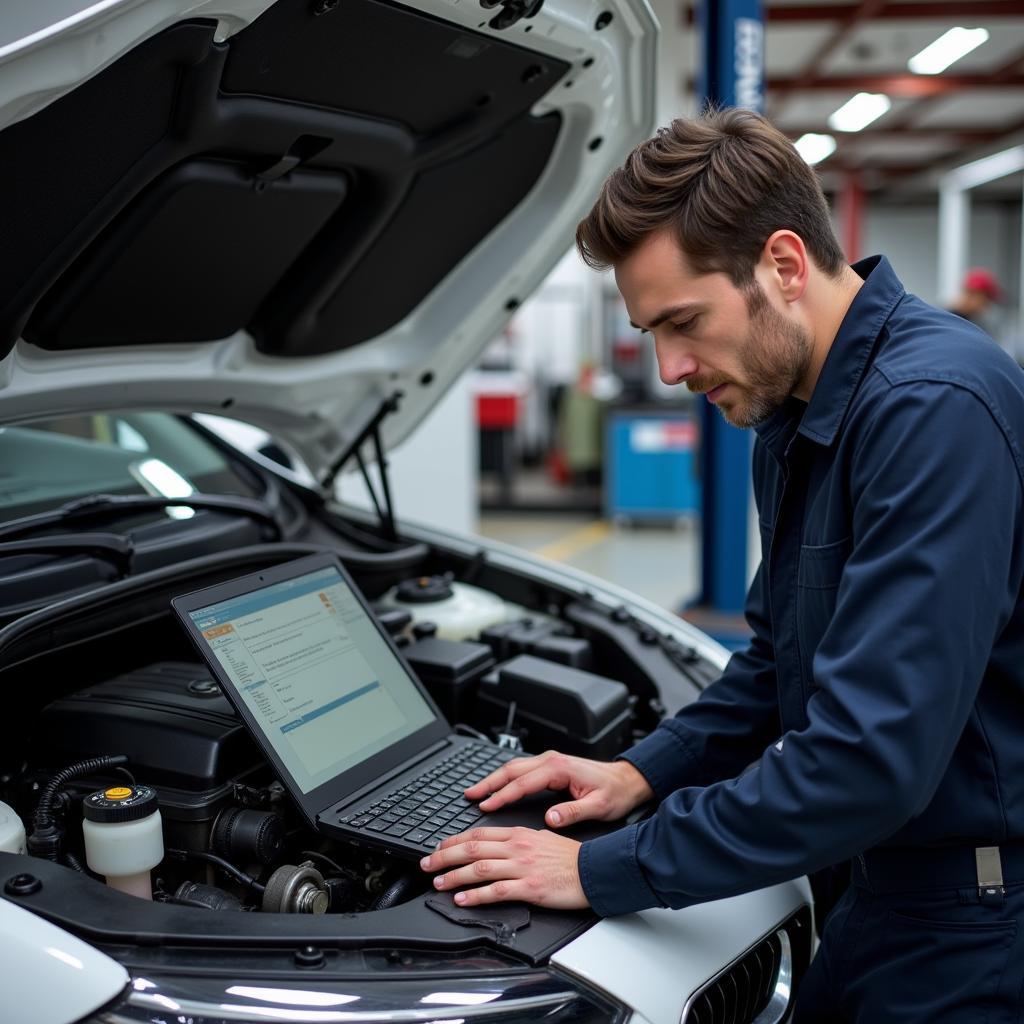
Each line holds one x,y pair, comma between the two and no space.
120,803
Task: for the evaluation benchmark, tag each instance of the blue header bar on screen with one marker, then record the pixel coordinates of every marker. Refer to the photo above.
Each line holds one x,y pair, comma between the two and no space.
259,600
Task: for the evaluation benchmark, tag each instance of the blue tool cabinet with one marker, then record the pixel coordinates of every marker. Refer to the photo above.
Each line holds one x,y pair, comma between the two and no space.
650,466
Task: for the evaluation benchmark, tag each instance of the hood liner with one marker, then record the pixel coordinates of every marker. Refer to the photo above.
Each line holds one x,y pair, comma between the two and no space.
310,180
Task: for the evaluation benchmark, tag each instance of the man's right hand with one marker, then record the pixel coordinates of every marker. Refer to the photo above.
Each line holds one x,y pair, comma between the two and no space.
601,791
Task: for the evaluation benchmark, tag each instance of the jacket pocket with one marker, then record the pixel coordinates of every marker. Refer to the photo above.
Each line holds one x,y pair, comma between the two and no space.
818,575
821,565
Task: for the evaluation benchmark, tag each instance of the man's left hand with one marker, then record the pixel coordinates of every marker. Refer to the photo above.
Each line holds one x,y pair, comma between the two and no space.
509,864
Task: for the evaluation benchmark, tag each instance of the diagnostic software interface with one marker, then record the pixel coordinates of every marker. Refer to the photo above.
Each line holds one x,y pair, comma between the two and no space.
315,673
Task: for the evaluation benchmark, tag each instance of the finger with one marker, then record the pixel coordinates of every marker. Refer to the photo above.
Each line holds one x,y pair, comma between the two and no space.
463,853
592,807
502,776
497,892
476,872
550,775
484,835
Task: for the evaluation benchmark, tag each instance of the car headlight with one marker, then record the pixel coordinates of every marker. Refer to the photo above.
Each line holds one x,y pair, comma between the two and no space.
515,998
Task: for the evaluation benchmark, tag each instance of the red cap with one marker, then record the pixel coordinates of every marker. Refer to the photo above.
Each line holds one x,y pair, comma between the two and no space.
981,280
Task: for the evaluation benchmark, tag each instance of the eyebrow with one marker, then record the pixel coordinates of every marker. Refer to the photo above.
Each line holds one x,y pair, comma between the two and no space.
667,314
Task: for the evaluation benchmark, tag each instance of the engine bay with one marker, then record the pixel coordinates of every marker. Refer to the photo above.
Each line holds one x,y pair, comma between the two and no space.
505,662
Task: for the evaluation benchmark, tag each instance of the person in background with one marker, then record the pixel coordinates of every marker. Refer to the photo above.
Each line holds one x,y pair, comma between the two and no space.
977,295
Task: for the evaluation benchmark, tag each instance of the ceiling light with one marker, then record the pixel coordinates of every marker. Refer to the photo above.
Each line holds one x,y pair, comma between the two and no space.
946,50
859,112
814,148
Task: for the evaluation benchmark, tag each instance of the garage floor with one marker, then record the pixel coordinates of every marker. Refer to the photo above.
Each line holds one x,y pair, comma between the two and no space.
659,563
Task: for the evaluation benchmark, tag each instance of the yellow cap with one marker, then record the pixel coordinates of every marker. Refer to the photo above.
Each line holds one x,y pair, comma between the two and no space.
118,793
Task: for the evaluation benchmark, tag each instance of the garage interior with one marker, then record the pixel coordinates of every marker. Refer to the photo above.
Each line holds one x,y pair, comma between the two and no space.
562,438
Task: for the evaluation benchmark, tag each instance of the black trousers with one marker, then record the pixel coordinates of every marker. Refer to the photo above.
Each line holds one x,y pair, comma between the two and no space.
916,943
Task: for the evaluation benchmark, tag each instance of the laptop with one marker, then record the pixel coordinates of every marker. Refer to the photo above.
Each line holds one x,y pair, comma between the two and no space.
356,740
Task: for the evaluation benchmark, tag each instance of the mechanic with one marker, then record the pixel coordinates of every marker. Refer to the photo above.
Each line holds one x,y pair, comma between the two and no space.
878,712
978,293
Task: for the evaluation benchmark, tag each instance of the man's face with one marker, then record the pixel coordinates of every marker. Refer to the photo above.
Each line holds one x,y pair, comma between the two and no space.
727,343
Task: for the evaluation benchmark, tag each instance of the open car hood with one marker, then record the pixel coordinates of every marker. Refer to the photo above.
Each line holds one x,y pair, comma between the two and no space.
287,212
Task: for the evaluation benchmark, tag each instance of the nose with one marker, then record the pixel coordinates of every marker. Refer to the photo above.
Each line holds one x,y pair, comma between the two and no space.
675,364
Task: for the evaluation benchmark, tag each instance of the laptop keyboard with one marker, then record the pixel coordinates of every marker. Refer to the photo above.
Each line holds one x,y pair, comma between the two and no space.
431,807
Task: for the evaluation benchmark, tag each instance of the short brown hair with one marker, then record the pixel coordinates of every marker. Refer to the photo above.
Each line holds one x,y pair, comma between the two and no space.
723,183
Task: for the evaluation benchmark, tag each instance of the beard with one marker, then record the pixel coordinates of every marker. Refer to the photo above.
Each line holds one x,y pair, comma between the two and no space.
775,356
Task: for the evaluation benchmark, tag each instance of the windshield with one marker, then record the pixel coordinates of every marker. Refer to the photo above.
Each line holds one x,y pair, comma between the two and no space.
47,463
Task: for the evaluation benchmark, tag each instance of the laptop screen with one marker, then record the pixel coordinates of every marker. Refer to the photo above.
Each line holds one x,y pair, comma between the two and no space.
314,673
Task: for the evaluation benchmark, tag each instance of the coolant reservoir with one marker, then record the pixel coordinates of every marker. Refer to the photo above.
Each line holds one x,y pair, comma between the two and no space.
124,837
460,611
12,831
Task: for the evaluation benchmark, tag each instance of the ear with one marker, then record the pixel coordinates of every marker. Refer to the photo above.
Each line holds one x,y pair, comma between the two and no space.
784,265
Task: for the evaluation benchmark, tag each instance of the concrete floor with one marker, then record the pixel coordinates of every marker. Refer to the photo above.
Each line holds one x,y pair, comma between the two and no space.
659,563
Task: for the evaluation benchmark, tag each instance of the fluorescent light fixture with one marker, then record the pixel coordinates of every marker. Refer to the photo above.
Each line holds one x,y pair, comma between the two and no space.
814,148
859,111
946,50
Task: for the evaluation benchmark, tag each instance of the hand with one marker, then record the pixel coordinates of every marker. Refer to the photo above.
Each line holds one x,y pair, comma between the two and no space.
510,864
601,791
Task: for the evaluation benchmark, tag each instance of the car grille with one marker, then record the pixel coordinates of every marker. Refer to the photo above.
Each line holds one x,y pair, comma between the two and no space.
758,988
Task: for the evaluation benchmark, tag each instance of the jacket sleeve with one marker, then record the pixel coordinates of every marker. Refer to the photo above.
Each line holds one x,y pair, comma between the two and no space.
932,579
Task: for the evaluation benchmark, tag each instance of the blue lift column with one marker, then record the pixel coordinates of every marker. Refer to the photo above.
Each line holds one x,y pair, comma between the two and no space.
732,76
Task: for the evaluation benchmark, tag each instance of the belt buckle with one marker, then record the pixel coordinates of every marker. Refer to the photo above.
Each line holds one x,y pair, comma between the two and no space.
990,875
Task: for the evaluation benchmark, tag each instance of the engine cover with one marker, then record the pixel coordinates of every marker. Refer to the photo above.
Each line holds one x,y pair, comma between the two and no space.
176,727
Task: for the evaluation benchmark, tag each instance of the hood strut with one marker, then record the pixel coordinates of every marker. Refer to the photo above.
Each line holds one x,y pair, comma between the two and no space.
385,511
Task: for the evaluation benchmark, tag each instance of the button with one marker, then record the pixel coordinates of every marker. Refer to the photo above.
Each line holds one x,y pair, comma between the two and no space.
117,793
417,835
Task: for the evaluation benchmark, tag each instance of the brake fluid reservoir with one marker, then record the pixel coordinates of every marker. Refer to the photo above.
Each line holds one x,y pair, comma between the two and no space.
12,831
460,611
124,837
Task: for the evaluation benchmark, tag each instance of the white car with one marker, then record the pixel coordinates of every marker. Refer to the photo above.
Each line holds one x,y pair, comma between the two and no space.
310,216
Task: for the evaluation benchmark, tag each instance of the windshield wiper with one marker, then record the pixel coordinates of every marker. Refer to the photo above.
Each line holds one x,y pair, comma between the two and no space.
108,506
114,548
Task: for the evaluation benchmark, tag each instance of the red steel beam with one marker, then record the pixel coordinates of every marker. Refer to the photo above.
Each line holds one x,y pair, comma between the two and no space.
800,13
853,18
901,85
910,86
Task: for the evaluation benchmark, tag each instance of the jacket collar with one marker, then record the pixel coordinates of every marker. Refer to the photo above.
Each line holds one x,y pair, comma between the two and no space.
852,349
845,364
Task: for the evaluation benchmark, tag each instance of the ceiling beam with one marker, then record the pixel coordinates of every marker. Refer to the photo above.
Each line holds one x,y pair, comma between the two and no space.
846,159
903,85
935,10
851,20
911,113
954,134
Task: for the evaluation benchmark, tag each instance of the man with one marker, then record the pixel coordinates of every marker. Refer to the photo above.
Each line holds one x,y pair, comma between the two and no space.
979,291
878,712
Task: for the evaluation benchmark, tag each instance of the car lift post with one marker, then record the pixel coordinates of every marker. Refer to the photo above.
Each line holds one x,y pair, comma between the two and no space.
732,75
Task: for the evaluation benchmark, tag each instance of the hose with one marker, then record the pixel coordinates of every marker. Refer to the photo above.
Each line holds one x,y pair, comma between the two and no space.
225,865
396,892
47,835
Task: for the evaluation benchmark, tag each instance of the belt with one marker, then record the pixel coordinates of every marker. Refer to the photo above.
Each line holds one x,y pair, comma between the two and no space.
895,868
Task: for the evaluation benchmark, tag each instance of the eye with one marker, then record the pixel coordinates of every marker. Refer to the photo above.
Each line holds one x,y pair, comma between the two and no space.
686,325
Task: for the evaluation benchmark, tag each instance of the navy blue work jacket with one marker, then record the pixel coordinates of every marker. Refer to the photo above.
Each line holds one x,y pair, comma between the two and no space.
881,699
